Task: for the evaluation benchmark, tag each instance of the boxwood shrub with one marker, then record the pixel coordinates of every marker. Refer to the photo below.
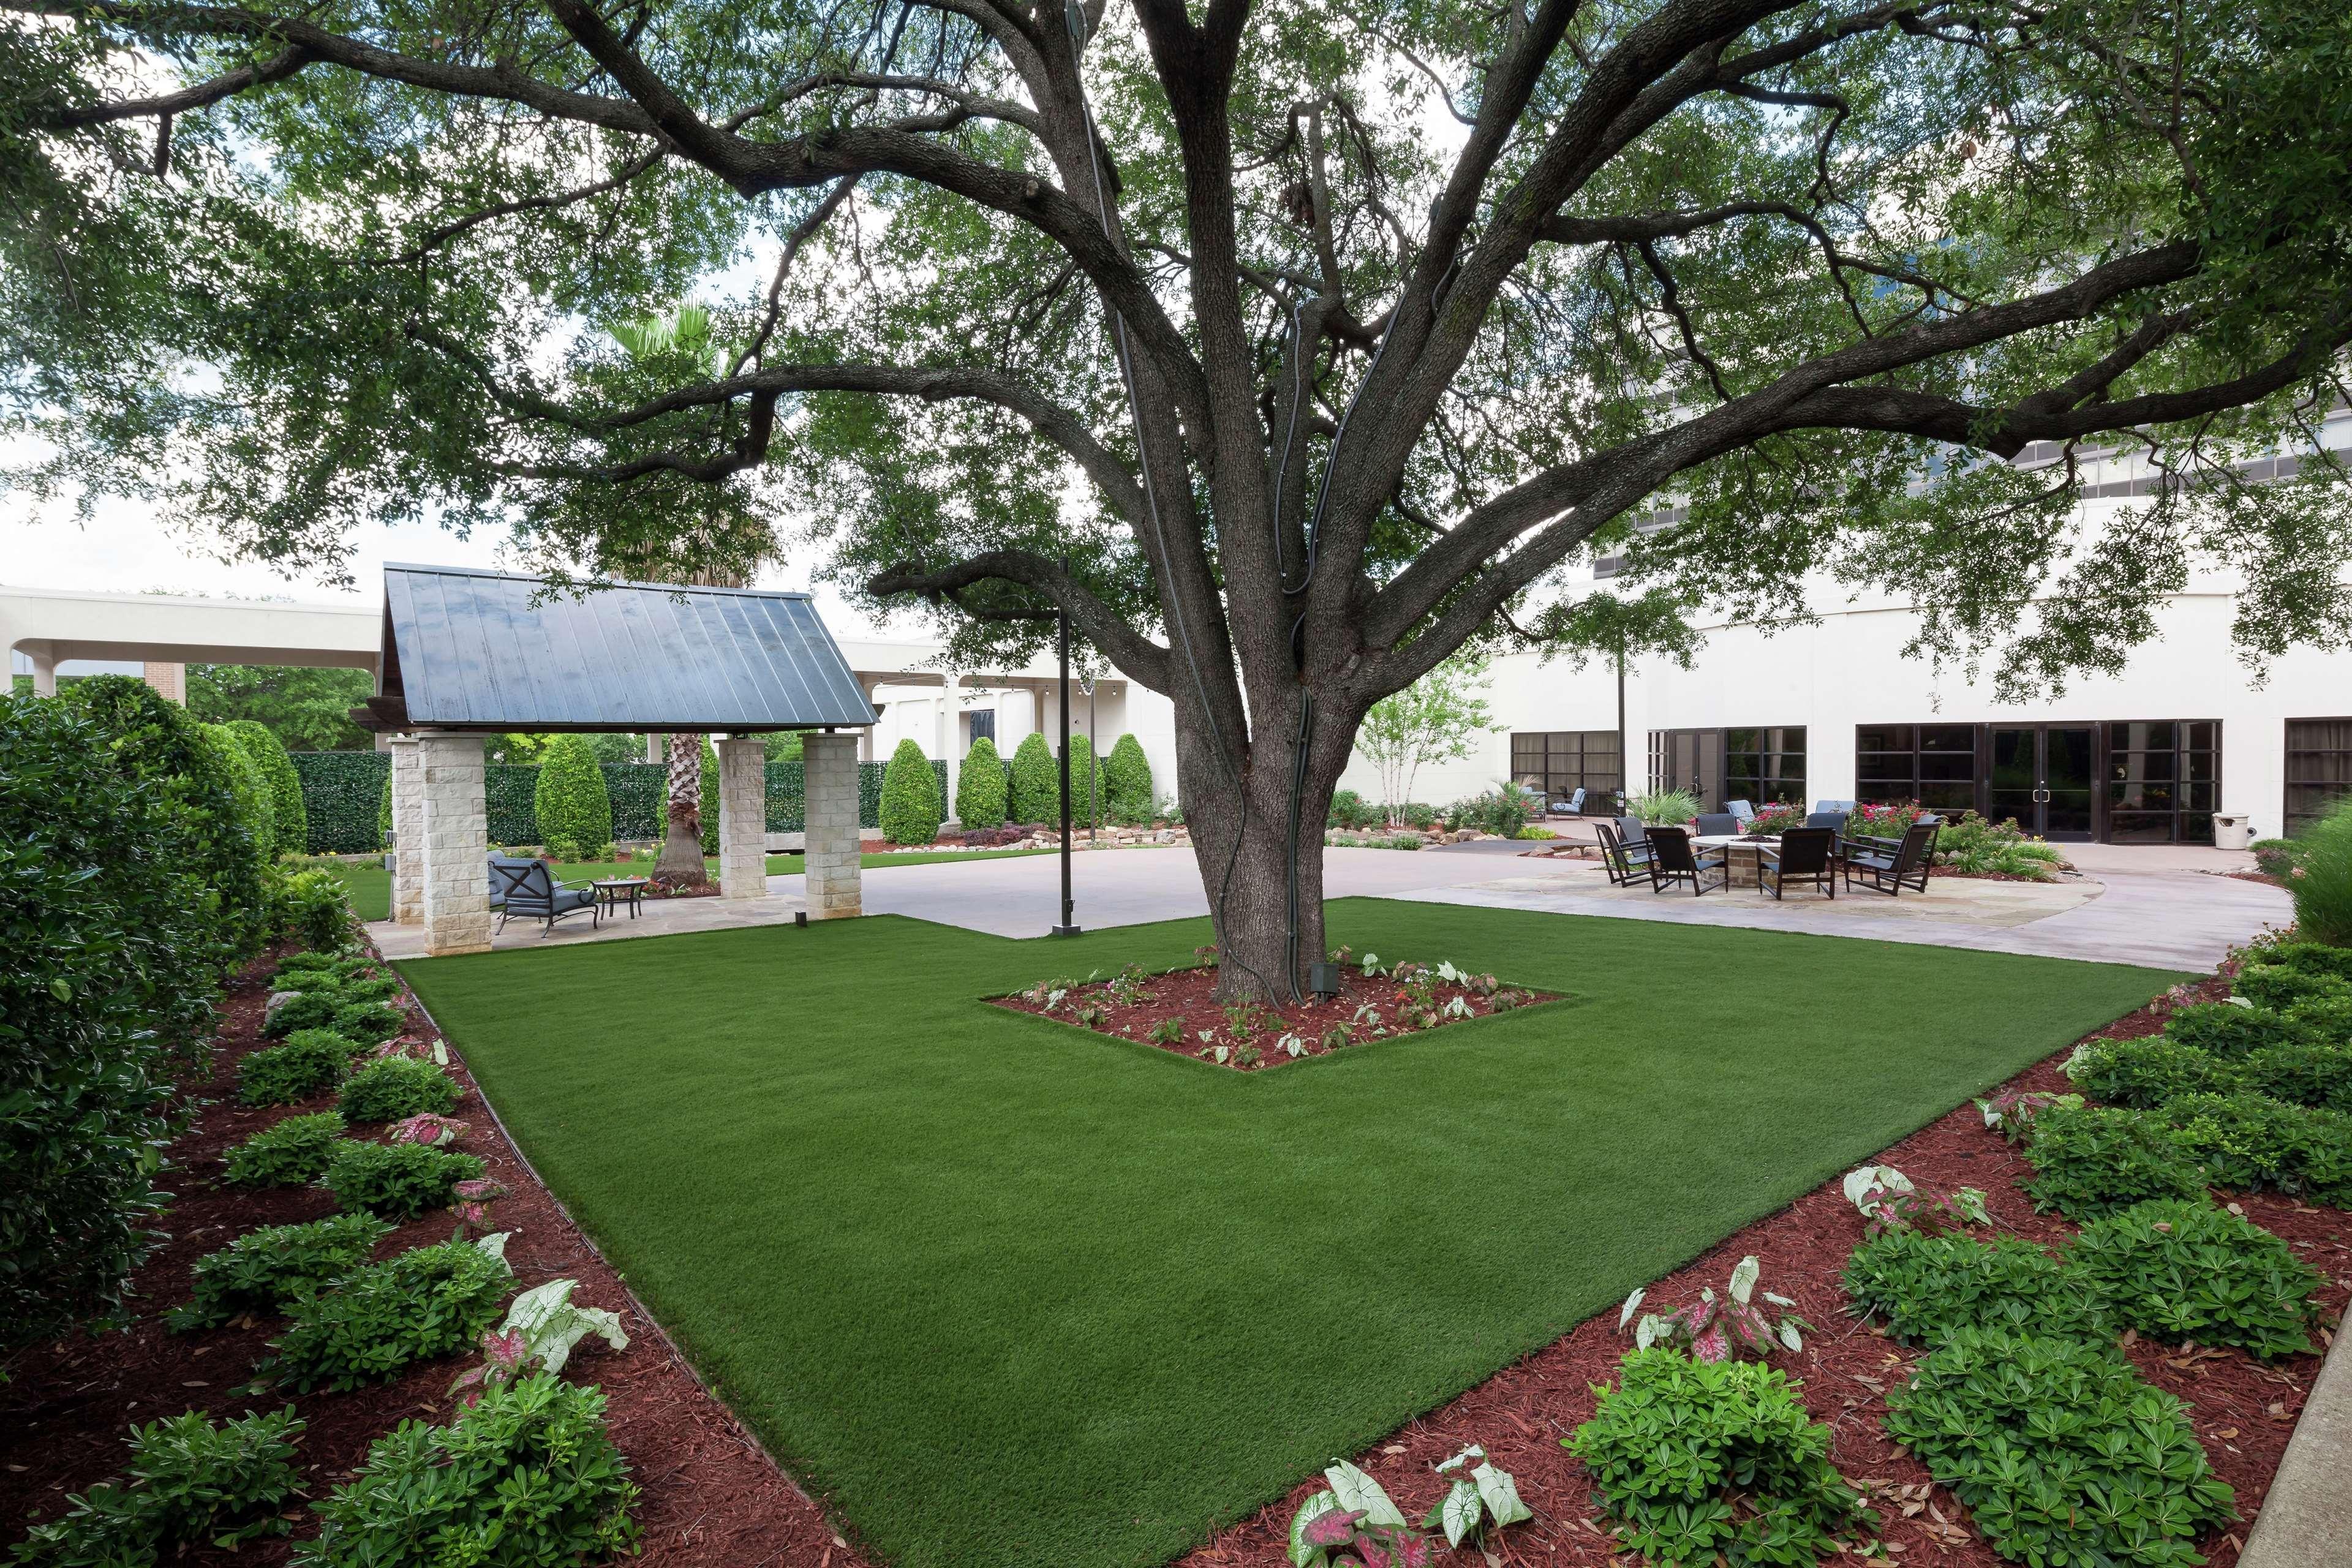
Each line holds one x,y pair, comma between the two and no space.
2249,1142
397,1088
1036,784
527,1477
398,1180
264,1270
2089,1159
2060,1451
911,797
308,1062
426,1303
1703,1462
1126,782
1925,1287
982,784
2147,1072
573,807
289,1154
2184,1270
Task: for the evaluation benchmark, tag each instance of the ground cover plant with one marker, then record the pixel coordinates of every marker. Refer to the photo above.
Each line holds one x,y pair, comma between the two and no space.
2186,1270
1924,1286
287,1153
190,1483
2092,1159
2248,1142
398,1180
264,1270
2149,1071
920,1123
308,1062
2060,1451
427,1302
394,1088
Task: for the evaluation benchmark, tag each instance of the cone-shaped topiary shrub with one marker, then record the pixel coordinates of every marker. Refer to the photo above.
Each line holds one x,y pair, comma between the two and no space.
1126,780
289,822
575,810
252,790
911,797
980,786
1037,782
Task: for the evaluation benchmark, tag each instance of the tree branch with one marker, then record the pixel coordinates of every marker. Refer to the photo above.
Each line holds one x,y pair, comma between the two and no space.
1137,655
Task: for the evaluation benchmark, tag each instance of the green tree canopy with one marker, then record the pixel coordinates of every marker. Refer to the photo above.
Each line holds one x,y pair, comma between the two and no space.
306,709
1441,718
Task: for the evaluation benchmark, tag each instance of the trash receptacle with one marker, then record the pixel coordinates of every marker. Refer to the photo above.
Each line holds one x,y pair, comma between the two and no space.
2232,832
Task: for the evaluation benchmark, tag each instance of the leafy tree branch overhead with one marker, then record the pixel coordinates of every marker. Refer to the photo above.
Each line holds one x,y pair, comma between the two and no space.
1288,348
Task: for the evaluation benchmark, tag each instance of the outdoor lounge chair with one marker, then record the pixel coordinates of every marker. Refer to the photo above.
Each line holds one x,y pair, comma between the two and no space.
1623,860
1807,855
522,885
1843,805
1835,821
1673,860
1717,825
1571,806
1742,813
1888,865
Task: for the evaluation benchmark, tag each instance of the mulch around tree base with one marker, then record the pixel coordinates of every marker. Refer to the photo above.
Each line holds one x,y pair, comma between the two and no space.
2244,1410
711,1496
1188,997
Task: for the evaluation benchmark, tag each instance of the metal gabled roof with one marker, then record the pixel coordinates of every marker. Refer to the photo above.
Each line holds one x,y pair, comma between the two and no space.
468,649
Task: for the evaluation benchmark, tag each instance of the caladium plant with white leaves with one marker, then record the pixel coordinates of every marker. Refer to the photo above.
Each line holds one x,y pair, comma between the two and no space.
543,1327
1889,1200
1719,1329
1354,1524
1481,1498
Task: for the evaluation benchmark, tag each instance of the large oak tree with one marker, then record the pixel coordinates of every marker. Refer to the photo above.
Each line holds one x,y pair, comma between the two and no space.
1288,348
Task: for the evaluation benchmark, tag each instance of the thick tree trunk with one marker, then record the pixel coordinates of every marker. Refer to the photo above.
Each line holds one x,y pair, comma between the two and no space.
681,853
1266,936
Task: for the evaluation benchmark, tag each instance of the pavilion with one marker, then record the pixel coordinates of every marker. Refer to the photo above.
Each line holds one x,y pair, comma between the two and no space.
468,654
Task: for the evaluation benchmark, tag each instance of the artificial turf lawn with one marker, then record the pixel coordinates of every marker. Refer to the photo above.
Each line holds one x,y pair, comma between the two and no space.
369,886
1003,1292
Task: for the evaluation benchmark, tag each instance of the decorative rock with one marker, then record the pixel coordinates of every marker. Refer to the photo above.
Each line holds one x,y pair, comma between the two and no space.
277,999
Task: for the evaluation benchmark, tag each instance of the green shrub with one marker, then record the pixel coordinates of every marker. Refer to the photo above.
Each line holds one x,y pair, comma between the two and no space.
2303,1072
1978,846
1351,812
190,1484
309,1062
2088,1160
2147,1072
1036,782
1127,783
1702,1461
575,810
426,1303
262,1271
2060,1450
253,800
113,947
980,786
316,962
2320,881
911,797
289,1154
2328,1021
368,1022
2225,1029
321,997
2183,1269
2275,857
289,821
2248,1142
1502,811
312,909
399,1180
525,1477
710,798
374,988
397,1088
2282,987
1925,1286
2311,957
1665,808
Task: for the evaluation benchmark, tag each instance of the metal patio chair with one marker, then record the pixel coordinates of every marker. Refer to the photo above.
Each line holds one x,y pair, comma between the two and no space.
1718,824
520,885
1673,860
1890,864
1620,859
1806,856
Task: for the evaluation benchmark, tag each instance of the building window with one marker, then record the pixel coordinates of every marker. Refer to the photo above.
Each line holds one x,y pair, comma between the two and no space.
1561,762
2163,781
983,724
1763,765
2318,768
1935,764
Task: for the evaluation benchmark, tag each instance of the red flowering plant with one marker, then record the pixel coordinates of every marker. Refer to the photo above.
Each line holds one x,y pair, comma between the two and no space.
1883,820
1889,1200
1719,1329
1776,817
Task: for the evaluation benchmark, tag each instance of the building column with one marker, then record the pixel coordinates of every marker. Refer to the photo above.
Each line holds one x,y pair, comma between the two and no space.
456,872
45,673
407,830
169,681
829,762
949,730
743,817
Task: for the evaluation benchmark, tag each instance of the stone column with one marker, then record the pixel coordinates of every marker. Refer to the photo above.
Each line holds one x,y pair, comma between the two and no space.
950,734
407,830
830,761
743,817
170,681
456,872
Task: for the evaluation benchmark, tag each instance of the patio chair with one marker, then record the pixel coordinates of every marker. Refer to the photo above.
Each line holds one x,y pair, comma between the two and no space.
1807,855
1717,825
1673,860
1622,860
1845,805
520,885
1888,865
1835,821
1571,806
1742,812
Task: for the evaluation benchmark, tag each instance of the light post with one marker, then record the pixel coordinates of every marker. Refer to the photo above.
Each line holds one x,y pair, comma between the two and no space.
1062,721
1094,767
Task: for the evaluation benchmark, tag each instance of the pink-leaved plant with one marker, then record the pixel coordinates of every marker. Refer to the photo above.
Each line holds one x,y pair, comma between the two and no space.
1718,1327
428,1127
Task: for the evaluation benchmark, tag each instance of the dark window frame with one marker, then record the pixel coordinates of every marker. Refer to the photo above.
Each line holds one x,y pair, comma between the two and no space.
1564,760
2290,819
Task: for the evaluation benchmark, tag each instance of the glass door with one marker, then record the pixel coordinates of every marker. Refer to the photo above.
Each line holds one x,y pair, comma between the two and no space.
2044,776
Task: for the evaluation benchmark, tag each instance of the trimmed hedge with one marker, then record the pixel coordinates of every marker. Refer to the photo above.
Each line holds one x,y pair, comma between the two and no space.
1126,780
341,792
290,825
982,787
1037,782
911,797
574,812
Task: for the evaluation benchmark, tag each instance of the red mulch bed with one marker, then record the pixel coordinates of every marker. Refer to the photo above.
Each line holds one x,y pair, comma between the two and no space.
711,1496
2244,1410
1188,996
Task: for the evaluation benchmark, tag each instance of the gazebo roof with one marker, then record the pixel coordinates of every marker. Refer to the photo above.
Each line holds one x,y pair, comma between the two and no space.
472,650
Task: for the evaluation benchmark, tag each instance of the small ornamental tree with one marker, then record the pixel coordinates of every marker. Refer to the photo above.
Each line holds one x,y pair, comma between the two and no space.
1438,718
980,786
290,823
575,810
253,802
911,797
1127,780
1037,782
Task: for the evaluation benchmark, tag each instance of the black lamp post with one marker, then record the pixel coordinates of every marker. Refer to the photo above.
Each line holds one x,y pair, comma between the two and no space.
1062,721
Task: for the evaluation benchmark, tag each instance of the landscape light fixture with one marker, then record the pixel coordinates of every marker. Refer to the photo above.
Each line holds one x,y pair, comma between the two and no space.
1323,979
